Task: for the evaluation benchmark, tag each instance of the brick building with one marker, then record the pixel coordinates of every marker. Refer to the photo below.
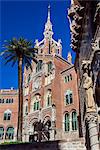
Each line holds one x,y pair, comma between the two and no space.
8,114
50,91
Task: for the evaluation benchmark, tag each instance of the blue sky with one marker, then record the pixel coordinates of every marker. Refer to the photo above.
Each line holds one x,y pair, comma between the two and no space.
27,18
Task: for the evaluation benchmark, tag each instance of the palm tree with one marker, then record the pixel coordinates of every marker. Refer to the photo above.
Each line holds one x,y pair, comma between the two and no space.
19,51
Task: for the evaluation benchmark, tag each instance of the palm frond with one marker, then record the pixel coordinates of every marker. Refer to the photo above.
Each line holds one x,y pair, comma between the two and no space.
14,61
8,55
19,47
9,60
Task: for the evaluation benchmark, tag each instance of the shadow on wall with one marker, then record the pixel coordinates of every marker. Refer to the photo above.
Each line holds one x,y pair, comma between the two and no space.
50,145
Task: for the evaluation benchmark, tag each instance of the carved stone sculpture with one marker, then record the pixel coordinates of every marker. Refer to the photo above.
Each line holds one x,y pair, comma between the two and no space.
90,104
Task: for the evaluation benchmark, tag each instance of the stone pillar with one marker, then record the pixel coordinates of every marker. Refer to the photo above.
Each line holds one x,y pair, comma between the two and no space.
27,137
70,121
52,133
53,122
15,134
25,130
91,120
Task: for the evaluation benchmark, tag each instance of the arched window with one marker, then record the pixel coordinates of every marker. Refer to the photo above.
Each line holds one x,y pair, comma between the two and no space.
68,97
66,122
48,98
2,100
9,133
29,78
65,79
36,102
26,110
1,133
7,101
7,115
12,100
39,66
74,120
36,105
70,77
49,66
57,51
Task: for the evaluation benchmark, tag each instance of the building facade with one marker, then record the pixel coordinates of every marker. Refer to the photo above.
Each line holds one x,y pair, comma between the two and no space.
8,114
50,91
84,19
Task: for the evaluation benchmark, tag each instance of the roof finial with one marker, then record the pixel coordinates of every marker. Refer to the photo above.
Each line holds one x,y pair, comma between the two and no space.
69,57
49,12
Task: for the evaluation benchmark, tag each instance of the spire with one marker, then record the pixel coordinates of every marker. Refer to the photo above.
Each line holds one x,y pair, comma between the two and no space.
48,27
49,13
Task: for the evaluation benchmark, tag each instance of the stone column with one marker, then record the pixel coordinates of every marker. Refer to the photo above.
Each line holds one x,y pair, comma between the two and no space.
70,122
15,134
91,120
25,131
53,122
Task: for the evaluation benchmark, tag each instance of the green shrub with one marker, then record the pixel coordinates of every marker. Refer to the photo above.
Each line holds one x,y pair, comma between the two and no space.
12,142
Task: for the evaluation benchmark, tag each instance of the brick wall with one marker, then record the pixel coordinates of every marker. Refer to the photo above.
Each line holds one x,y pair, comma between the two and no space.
13,107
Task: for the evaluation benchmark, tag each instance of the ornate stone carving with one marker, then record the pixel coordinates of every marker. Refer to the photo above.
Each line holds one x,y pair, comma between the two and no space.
71,11
77,18
75,13
73,47
91,118
75,36
90,104
88,86
96,45
86,66
97,13
75,25
72,26
74,41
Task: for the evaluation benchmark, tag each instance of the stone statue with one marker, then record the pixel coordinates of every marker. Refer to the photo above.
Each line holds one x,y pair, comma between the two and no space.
90,104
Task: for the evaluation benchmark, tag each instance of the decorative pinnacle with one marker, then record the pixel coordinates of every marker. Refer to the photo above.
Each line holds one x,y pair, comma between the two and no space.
49,12
48,26
72,2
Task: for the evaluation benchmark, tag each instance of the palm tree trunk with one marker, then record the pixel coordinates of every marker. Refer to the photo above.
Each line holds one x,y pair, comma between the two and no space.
20,98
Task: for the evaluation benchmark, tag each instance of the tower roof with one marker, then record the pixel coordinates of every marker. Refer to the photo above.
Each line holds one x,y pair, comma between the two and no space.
54,47
48,26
